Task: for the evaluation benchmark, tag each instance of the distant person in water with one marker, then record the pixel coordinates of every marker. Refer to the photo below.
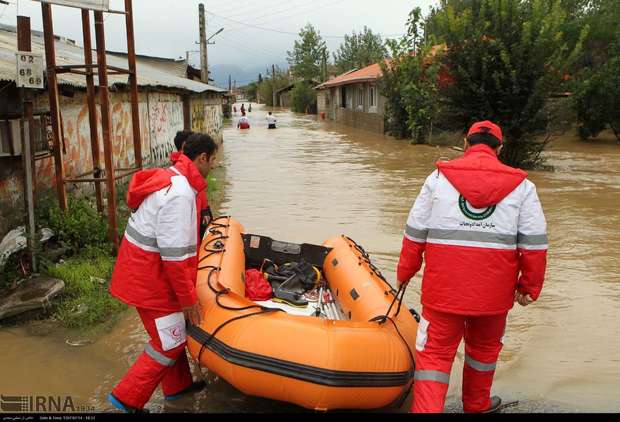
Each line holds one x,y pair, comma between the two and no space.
249,108
243,122
243,109
271,121
235,109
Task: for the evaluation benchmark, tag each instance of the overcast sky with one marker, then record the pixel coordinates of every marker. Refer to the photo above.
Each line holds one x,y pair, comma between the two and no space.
256,33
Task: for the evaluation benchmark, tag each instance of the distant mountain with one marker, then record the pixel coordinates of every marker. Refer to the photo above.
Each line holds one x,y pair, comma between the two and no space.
243,76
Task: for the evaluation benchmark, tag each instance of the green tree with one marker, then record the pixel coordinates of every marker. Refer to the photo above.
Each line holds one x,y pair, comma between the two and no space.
303,98
410,84
307,55
601,17
506,58
597,100
251,90
359,50
269,85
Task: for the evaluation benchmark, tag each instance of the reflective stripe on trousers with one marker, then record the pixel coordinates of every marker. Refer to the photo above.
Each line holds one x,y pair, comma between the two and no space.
154,366
445,331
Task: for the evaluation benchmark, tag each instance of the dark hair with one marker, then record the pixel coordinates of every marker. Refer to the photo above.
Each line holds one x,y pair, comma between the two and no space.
199,143
181,137
484,138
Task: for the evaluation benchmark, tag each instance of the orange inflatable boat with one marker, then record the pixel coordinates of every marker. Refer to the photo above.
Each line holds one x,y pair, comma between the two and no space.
352,349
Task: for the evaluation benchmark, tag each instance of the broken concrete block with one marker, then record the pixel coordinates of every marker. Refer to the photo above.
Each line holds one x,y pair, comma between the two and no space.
16,241
35,293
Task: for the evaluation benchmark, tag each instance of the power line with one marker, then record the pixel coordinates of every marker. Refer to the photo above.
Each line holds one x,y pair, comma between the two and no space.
274,15
274,30
274,9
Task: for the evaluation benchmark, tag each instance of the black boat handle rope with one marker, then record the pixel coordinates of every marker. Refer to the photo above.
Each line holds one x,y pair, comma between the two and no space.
218,293
381,319
400,295
366,259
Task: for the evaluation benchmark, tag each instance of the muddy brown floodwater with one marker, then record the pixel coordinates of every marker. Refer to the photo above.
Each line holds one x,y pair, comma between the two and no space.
310,180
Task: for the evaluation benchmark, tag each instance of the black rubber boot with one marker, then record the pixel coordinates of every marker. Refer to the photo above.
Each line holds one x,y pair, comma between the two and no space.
122,406
193,388
496,403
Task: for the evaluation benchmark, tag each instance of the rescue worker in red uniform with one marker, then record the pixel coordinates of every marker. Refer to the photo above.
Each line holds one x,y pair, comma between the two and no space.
480,228
156,272
203,201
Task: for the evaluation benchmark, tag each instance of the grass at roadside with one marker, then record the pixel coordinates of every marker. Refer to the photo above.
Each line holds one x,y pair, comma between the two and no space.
86,301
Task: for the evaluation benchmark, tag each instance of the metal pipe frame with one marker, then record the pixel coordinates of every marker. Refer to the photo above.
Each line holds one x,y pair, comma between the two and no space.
89,70
106,125
92,107
50,58
133,83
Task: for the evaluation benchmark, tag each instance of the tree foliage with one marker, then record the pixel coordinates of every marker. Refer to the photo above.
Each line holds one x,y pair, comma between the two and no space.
410,85
359,50
597,100
506,57
303,98
308,53
269,85
251,90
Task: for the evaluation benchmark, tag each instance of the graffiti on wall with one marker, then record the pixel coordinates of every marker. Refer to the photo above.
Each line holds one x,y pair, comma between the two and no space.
207,118
166,119
161,116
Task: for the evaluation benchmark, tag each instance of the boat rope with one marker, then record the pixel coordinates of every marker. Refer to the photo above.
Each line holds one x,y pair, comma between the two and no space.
219,248
398,297
365,258
406,344
225,323
382,319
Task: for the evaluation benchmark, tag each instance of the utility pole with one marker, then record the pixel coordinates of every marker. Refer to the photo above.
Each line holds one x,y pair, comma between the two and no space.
273,83
204,64
229,83
24,44
324,64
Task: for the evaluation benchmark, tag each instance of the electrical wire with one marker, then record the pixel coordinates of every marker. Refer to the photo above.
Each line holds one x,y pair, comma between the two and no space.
276,30
277,15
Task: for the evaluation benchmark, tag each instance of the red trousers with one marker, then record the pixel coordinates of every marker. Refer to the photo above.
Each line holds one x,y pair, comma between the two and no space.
439,335
154,366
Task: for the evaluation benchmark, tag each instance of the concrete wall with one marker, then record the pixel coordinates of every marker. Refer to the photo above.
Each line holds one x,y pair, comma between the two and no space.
358,111
207,115
161,116
322,101
285,99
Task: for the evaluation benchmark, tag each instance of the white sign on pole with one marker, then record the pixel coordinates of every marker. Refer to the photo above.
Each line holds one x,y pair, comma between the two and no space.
29,70
101,5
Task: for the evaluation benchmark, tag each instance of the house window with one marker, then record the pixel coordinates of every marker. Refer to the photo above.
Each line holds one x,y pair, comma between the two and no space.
10,136
6,138
360,98
372,96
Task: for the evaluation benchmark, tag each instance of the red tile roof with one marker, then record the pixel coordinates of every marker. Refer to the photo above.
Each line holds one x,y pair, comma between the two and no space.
371,73
366,74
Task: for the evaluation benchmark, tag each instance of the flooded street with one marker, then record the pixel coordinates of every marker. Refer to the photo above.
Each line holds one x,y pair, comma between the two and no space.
310,180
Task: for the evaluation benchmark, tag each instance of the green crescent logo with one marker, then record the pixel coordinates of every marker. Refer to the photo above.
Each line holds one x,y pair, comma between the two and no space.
475,215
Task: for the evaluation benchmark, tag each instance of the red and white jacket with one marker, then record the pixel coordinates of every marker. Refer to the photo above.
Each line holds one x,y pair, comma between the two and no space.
481,229
157,261
205,215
